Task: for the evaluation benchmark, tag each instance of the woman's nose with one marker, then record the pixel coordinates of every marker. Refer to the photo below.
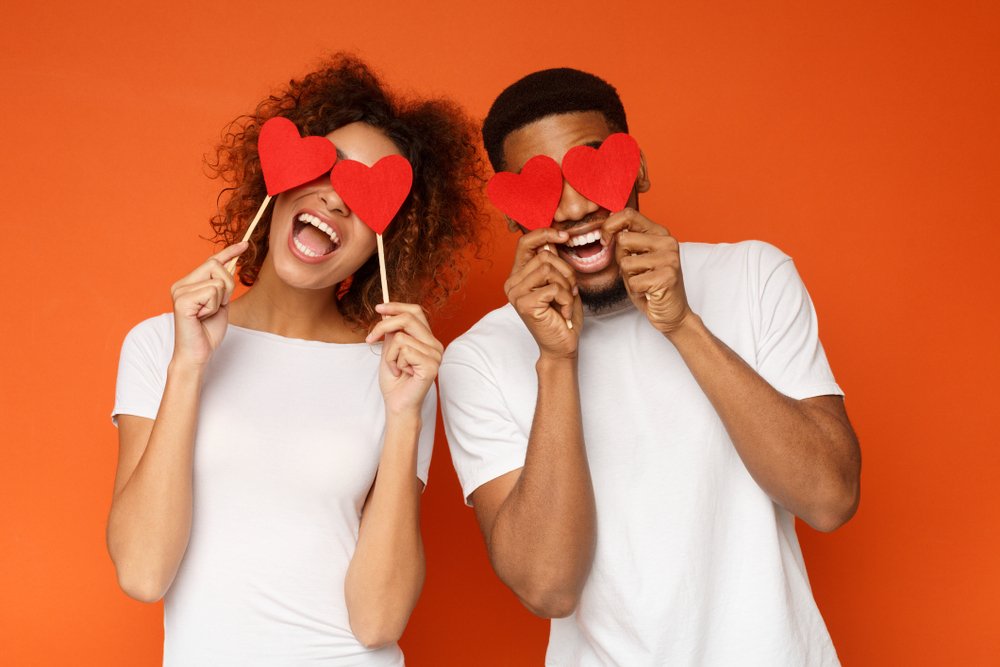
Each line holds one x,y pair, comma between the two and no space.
332,201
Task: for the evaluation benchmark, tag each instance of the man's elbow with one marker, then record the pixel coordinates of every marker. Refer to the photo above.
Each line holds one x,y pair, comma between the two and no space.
836,507
550,601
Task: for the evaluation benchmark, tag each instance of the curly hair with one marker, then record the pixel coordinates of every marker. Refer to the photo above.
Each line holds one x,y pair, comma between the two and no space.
440,219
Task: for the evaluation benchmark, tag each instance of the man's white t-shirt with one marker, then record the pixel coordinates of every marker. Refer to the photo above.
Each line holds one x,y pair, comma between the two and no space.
288,442
695,565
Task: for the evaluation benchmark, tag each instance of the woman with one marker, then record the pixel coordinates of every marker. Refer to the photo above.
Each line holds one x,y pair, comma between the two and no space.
251,431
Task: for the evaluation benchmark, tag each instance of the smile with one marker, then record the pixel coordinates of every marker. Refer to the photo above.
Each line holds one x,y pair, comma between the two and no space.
312,238
585,253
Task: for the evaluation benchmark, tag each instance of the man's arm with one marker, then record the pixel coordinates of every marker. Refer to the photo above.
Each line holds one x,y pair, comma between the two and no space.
538,521
802,453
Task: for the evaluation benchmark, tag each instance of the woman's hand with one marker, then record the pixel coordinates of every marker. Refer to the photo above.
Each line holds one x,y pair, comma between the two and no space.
410,356
201,307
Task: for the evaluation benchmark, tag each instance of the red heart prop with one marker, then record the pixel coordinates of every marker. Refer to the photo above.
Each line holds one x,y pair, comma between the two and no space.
530,197
287,159
605,175
375,193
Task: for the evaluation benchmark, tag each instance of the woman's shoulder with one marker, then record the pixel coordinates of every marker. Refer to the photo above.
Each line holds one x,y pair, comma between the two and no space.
153,336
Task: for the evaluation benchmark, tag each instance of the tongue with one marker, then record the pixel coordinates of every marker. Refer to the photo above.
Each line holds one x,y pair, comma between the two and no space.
588,250
315,240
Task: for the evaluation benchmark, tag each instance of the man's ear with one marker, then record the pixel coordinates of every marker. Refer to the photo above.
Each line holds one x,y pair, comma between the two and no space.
512,225
642,179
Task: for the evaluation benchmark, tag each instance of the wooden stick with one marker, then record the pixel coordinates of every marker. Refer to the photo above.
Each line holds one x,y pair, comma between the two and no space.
231,266
381,268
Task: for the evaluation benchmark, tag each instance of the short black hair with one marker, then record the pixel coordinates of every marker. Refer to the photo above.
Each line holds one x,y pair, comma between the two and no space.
541,94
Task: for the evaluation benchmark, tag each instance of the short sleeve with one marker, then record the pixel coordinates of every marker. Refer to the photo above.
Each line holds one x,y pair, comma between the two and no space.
142,368
425,444
484,439
789,353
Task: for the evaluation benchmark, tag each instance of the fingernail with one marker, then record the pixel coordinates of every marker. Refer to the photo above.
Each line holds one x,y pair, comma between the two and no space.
576,290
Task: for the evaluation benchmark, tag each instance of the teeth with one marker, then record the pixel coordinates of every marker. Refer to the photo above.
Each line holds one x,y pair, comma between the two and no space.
320,225
584,239
304,249
593,259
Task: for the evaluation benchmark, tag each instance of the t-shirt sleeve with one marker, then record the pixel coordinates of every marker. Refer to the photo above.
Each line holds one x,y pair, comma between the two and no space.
484,439
425,444
142,368
789,353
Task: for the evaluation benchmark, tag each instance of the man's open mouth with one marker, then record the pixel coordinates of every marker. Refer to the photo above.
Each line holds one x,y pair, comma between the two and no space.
585,253
312,237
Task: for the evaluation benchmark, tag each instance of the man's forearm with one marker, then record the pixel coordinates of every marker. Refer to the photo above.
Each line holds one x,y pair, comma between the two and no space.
542,542
802,453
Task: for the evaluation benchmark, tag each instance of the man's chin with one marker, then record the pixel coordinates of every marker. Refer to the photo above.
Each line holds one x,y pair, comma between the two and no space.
600,298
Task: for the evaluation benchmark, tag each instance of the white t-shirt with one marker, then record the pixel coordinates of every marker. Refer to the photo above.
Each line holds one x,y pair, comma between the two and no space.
288,442
695,565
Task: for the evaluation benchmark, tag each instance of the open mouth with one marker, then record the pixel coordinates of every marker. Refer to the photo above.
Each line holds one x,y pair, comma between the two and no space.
312,237
585,253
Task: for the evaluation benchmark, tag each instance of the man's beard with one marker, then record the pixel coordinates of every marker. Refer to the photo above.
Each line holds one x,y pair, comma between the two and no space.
604,298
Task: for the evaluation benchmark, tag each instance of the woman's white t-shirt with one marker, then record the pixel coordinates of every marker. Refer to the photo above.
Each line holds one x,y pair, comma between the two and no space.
288,442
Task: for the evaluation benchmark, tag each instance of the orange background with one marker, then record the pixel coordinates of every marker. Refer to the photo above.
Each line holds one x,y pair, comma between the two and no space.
859,137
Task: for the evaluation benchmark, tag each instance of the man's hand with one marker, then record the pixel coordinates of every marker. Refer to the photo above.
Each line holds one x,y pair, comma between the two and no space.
542,289
650,263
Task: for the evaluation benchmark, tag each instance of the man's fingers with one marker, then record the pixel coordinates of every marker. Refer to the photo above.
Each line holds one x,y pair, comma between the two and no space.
529,244
544,274
636,242
629,219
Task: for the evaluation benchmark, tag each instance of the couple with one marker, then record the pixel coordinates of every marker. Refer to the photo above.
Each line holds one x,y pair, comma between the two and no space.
635,475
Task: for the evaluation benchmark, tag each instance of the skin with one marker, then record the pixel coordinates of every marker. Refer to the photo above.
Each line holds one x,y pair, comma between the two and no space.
150,520
538,521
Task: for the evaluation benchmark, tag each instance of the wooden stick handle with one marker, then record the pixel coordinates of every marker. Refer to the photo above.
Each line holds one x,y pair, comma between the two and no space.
381,268
231,266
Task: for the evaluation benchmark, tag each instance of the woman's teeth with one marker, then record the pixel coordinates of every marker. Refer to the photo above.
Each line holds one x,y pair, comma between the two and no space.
310,219
305,250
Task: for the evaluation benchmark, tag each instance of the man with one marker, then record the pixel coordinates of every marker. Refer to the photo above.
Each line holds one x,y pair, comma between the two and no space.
636,475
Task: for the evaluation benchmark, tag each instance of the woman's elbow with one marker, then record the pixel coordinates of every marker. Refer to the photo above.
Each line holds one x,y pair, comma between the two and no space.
376,633
143,587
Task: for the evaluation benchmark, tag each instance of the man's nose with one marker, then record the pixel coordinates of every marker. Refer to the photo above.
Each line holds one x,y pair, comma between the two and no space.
573,206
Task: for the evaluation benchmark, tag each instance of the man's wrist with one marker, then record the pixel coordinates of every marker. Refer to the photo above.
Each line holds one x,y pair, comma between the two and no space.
555,362
688,331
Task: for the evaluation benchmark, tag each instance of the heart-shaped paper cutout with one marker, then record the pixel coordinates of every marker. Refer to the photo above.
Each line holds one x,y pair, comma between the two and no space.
605,175
374,193
289,160
531,197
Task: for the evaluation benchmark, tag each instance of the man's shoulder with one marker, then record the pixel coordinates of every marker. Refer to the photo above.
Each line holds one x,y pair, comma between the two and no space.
726,257
487,338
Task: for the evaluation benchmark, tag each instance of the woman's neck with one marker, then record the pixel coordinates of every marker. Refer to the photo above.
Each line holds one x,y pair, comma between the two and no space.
274,306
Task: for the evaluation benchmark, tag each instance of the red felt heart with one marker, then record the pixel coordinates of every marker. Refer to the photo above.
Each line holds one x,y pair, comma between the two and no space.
530,197
605,175
287,159
374,193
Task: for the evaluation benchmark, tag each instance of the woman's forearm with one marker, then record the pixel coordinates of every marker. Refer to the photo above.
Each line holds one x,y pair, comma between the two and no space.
387,571
150,520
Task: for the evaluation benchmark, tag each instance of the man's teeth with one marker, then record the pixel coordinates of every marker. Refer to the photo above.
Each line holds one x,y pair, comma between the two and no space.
310,219
583,239
593,259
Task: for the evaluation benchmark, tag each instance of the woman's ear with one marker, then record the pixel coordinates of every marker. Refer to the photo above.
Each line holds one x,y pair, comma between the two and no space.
642,179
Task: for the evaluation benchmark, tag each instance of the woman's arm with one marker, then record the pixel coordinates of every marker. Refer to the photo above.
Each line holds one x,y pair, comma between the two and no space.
387,571
150,519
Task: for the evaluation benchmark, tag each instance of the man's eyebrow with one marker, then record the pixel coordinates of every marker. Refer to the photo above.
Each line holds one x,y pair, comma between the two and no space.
594,144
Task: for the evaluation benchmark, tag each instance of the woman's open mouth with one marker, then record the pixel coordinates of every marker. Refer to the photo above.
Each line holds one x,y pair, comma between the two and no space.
312,239
585,253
